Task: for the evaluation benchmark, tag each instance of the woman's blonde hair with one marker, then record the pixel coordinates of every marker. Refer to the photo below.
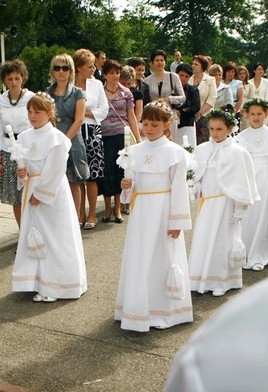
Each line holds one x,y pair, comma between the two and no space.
82,57
240,68
214,68
43,102
63,58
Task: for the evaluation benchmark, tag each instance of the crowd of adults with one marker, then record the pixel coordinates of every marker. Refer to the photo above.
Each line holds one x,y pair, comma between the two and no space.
96,98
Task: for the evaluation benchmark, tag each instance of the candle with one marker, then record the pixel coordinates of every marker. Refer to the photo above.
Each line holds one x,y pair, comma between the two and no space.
185,140
127,136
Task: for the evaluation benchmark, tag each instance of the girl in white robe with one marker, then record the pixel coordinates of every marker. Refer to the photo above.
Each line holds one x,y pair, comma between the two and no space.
225,177
255,225
53,264
154,239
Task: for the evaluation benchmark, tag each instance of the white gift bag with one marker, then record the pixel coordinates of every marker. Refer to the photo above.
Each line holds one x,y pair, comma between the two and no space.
237,257
175,287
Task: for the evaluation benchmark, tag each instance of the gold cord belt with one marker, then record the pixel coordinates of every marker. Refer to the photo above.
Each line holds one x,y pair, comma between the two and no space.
203,199
26,188
136,193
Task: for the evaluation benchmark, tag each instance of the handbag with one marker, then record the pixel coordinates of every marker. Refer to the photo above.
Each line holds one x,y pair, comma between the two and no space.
132,136
36,247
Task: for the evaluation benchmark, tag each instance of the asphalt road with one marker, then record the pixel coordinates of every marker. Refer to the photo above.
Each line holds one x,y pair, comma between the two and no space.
76,346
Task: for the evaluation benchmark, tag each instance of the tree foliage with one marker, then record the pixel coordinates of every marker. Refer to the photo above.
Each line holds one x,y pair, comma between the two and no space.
202,22
221,29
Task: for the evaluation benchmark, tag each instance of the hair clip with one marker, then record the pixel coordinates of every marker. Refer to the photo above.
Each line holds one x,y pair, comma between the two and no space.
160,105
45,95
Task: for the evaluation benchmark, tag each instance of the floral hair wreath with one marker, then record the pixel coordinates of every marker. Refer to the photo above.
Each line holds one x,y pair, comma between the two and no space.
255,101
45,95
160,105
230,118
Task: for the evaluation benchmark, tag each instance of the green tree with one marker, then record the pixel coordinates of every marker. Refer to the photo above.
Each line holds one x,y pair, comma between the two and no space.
202,22
257,43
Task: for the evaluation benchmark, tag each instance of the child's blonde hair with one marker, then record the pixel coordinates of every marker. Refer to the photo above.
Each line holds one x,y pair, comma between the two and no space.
158,111
44,102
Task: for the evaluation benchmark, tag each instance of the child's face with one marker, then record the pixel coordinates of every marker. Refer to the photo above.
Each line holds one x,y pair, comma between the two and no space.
140,69
38,118
154,129
184,77
256,116
126,82
218,130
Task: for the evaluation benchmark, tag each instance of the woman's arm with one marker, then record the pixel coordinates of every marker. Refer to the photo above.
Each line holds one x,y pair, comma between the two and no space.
80,108
210,98
138,109
239,102
133,124
101,107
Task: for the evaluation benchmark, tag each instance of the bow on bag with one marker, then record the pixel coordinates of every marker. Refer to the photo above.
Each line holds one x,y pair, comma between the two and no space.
175,285
36,247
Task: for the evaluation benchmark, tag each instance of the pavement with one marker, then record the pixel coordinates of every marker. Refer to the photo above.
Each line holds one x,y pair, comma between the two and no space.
9,231
75,345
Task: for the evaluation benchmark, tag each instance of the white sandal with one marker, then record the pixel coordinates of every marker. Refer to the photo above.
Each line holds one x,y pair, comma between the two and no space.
40,298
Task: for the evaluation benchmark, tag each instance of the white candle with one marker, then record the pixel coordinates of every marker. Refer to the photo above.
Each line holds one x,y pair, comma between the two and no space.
127,136
185,140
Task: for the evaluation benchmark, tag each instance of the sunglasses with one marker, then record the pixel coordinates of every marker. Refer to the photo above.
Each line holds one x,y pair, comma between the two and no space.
64,68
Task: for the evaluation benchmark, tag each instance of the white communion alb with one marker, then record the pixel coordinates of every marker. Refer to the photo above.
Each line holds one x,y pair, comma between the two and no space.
159,203
61,273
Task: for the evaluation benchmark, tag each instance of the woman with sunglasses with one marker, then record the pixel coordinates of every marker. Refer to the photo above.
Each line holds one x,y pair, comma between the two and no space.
71,105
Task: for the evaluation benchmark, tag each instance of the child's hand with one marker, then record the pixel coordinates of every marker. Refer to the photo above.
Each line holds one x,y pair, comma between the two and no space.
22,172
126,183
34,201
174,233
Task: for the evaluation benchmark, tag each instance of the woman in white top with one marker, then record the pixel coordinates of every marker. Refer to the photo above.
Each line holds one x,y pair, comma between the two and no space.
96,110
165,85
224,93
243,75
208,94
13,111
260,84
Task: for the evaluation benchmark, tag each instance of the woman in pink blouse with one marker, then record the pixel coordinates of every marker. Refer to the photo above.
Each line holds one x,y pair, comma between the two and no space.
121,113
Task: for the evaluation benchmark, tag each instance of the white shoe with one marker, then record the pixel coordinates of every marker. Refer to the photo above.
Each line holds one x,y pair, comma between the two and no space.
258,267
160,327
40,298
247,267
218,293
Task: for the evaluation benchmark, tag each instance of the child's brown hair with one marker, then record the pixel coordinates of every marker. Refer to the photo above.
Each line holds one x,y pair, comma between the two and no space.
158,111
44,102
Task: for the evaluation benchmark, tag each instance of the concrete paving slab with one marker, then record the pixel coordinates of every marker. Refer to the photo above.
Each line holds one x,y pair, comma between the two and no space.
73,346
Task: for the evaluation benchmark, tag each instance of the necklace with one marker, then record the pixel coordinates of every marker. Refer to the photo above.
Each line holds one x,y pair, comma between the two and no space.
110,91
16,102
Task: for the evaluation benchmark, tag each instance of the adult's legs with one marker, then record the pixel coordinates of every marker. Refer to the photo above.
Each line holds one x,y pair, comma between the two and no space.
17,213
76,192
92,195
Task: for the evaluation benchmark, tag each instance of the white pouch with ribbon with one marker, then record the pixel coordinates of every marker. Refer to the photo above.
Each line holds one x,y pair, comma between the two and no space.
36,247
